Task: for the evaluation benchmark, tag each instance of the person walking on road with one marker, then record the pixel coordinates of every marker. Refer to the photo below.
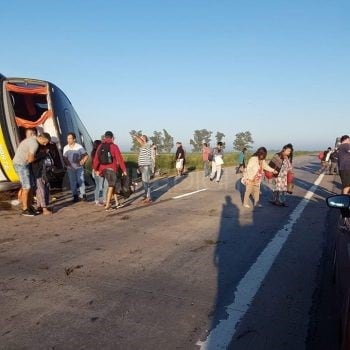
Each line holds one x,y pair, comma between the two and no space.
217,162
205,157
281,162
241,161
107,161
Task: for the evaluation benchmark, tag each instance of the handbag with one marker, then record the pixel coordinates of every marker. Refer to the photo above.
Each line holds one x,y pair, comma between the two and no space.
268,174
218,160
290,182
179,164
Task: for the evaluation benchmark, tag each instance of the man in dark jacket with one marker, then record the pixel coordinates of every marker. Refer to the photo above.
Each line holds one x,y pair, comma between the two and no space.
344,163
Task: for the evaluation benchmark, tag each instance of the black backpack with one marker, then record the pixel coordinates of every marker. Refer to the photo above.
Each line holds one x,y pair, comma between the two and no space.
104,154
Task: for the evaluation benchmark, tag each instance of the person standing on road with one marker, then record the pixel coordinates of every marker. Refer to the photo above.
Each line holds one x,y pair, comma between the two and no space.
180,159
40,168
29,132
344,163
281,162
24,156
99,180
145,166
107,161
75,157
217,162
241,161
253,176
205,157
333,168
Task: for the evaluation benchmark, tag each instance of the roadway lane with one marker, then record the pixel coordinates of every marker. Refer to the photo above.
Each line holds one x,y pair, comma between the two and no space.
165,276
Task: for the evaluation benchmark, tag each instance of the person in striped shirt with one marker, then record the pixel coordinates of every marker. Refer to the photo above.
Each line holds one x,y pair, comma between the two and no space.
145,166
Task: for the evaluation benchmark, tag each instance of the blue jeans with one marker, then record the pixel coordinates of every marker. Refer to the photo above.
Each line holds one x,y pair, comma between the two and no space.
146,172
98,186
206,168
76,179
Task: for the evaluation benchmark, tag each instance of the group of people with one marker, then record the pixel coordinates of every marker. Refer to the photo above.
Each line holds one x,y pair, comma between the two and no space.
214,156
279,170
329,161
109,170
32,158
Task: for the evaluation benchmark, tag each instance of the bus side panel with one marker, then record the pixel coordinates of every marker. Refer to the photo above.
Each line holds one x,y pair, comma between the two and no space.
69,120
6,149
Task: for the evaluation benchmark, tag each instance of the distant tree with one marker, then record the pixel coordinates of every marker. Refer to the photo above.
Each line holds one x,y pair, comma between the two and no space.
200,136
158,140
135,145
168,142
243,139
219,136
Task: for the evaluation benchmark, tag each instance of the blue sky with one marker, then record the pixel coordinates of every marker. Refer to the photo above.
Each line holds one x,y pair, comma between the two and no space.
279,69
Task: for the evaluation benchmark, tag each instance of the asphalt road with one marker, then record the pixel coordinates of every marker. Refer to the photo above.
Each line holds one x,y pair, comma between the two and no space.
194,270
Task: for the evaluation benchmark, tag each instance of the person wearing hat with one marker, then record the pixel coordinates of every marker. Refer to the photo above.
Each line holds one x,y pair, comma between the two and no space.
344,163
107,161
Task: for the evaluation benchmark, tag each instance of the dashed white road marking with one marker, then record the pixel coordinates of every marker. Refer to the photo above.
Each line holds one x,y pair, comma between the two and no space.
221,336
189,194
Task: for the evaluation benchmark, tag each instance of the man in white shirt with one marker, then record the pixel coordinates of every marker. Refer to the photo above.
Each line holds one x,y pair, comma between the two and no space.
75,156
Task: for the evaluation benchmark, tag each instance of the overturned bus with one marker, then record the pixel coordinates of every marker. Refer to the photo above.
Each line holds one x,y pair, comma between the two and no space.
31,103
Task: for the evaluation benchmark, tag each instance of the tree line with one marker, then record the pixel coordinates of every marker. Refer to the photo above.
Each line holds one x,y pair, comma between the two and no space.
165,142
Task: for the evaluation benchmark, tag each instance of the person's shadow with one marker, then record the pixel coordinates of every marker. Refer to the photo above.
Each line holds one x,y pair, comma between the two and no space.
227,260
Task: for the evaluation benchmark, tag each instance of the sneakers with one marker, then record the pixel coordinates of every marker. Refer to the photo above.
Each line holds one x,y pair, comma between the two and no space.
28,212
35,211
75,199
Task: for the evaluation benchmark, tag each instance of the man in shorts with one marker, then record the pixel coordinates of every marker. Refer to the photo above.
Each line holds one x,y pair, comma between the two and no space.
25,154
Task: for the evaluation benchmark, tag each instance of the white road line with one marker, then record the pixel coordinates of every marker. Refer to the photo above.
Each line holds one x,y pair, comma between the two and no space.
189,194
221,336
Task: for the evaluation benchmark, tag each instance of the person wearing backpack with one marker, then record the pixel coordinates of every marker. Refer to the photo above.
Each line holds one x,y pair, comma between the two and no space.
107,161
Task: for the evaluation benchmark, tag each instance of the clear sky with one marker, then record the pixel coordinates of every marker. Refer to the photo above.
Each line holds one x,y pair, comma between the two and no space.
279,69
